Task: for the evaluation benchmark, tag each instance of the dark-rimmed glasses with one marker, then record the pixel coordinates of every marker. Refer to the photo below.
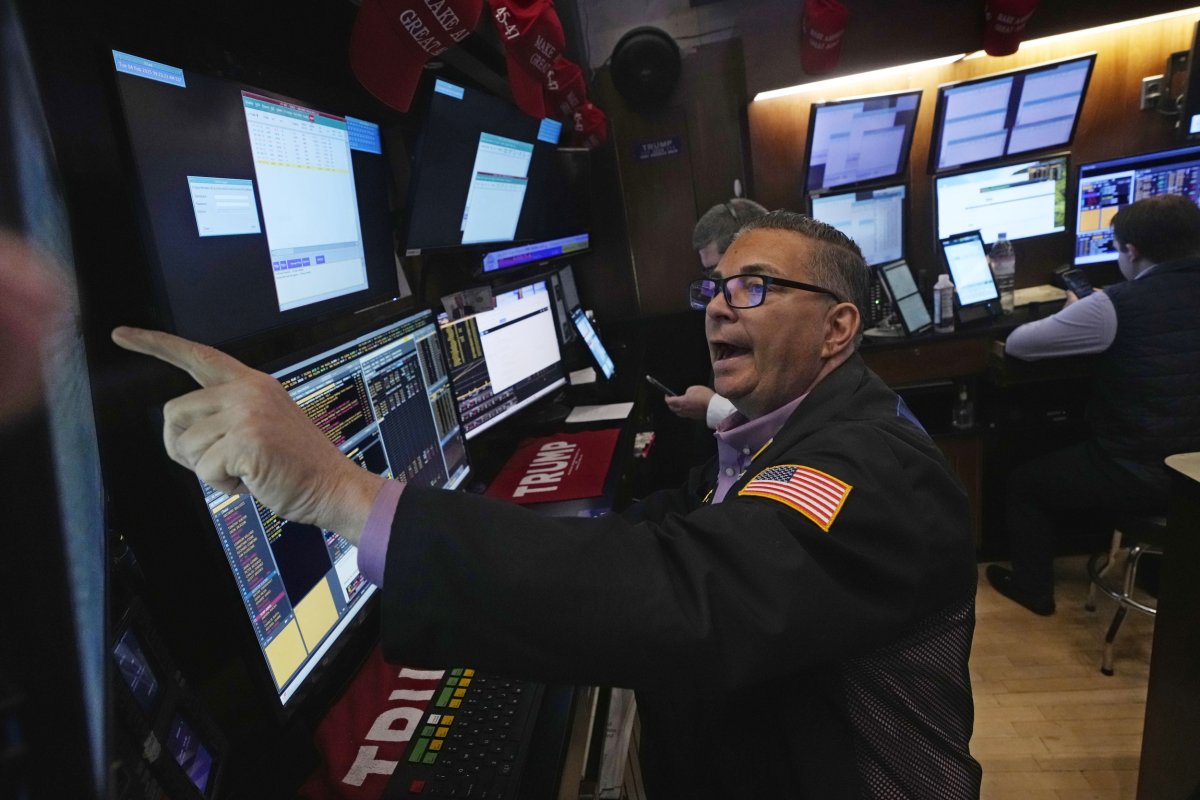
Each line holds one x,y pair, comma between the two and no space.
743,291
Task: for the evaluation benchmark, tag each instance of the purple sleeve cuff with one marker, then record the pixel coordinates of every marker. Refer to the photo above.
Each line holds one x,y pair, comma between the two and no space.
377,532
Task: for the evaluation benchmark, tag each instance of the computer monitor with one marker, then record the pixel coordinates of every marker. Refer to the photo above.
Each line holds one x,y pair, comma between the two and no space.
974,287
484,172
873,218
503,360
259,211
860,140
590,338
536,253
566,297
384,399
1023,199
1105,187
902,290
1006,114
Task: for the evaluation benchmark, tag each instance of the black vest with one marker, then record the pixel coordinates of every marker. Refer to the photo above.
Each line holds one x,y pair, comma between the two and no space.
1146,390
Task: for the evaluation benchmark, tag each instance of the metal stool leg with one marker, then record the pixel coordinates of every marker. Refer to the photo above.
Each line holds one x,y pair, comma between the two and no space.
1114,547
1125,601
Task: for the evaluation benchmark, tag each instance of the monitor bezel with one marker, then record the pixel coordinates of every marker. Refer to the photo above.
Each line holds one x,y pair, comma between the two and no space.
1063,154
939,113
906,151
533,265
909,330
905,211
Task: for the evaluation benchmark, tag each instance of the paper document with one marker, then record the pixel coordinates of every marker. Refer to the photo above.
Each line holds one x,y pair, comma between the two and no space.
581,376
599,413
1037,294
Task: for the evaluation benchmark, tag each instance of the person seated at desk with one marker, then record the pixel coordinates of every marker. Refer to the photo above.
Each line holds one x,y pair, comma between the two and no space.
796,622
1145,398
711,237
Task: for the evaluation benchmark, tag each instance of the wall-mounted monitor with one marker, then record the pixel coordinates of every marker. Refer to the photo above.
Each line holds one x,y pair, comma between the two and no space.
873,218
1105,187
384,399
535,253
259,211
860,140
505,359
1023,199
484,173
1010,113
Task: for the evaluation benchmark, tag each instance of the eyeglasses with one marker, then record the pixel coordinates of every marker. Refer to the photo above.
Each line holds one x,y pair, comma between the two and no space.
743,291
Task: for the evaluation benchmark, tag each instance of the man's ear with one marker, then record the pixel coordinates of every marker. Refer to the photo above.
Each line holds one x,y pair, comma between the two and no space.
1132,250
841,326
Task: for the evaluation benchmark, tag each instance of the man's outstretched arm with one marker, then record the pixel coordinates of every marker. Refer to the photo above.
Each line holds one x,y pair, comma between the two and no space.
240,431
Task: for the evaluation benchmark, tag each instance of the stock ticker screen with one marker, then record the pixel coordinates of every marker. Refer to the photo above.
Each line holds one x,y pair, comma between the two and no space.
384,399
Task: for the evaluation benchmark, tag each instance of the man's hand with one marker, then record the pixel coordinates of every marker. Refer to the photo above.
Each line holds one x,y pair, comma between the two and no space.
242,432
693,403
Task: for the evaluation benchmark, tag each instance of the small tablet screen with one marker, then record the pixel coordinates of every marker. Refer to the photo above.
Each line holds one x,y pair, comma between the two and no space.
969,269
906,296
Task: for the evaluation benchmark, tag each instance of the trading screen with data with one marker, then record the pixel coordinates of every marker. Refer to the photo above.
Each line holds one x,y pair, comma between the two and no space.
384,399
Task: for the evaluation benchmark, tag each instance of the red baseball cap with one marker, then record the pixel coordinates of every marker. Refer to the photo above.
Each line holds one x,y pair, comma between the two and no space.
533,38
822,25
590,126
392,40
566,89
1005,22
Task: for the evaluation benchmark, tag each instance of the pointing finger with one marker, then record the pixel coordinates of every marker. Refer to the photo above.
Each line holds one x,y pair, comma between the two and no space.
207,365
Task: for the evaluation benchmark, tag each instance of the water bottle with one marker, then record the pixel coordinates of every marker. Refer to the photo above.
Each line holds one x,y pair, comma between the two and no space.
1004,269
943,305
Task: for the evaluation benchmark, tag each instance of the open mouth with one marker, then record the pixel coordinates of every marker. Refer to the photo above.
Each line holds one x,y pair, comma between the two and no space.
723,350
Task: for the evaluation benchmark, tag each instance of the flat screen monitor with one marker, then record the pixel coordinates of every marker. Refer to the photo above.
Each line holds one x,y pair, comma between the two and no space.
484,172
384,399
259,211
1003,115
566,297
902,289
503,360
1024,199
538,252
873,218
967,262
590,338
1105,187
860,140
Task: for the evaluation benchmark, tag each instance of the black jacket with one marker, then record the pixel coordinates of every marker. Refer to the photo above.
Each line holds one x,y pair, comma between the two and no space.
1146,387
771,658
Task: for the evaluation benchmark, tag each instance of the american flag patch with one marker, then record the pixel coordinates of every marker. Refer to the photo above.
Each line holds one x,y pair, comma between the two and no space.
813,493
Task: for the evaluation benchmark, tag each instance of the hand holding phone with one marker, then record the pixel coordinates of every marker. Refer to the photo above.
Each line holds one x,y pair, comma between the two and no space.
662,387
1077,282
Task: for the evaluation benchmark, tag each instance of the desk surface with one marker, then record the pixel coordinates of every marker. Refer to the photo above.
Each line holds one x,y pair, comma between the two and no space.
1186,464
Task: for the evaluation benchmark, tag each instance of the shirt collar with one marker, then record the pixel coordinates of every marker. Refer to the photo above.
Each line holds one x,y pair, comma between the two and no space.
749,435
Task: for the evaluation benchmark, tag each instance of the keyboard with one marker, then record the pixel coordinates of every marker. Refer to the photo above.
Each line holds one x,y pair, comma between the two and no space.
473,740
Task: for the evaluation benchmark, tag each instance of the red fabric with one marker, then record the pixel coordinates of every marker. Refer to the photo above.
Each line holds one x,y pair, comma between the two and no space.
533,38
589,127
821,28
1005,22
566,466
366,733
392,40
566,89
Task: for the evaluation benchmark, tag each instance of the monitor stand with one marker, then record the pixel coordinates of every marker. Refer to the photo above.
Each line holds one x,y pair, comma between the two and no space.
886,329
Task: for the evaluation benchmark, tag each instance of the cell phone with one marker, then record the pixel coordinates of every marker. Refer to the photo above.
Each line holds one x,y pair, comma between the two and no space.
1077,282
662,387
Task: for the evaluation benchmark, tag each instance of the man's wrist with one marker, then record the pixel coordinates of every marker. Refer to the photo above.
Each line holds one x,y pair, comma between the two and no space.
352,502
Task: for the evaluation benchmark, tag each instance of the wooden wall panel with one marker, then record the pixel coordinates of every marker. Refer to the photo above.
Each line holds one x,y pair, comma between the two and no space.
1110,125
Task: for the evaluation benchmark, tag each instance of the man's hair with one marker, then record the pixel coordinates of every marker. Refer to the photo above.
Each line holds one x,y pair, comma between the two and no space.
721,222
837,263
1163,228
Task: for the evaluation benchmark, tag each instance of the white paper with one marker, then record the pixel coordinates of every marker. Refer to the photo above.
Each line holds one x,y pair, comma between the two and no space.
581,376
599,413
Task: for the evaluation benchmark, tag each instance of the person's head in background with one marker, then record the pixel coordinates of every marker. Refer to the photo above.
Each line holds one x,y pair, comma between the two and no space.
1154,230
716,228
